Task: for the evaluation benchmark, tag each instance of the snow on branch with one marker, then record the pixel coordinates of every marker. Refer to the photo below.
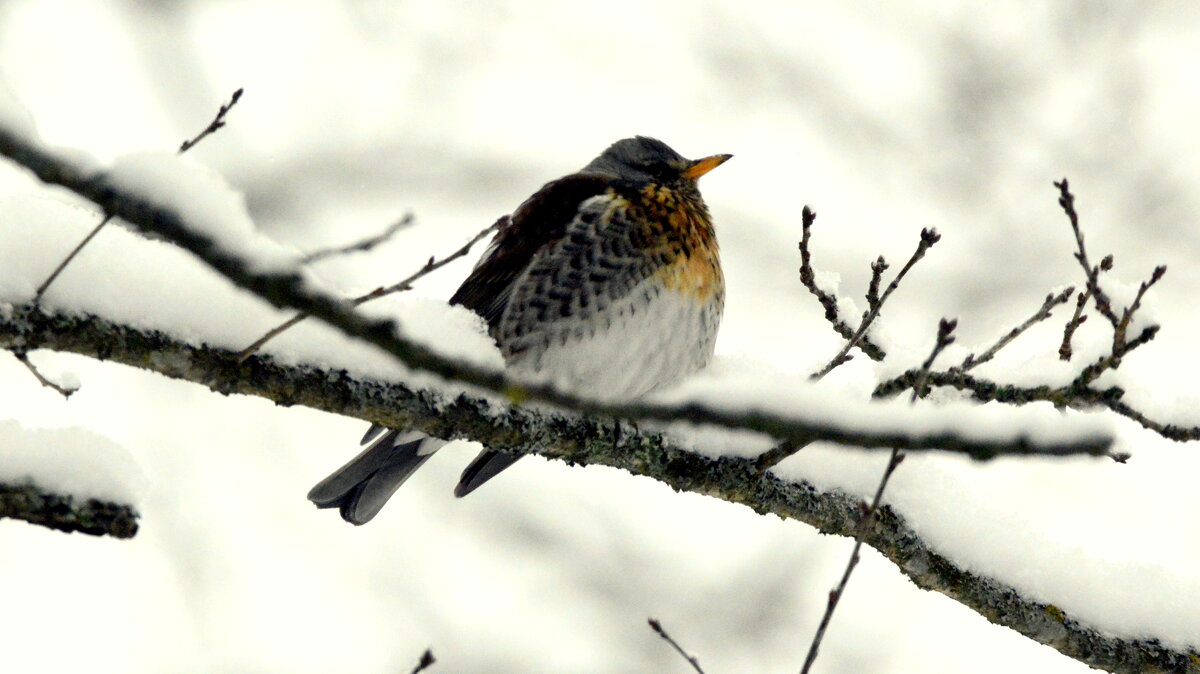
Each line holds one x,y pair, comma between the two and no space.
588,440
68,479
67,513
284,287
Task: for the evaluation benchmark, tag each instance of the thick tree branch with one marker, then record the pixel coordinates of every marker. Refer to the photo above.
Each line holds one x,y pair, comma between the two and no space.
31,504
27,327
588,440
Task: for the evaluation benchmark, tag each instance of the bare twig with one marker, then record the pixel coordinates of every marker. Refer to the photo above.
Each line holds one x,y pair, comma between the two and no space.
41,290
362,246
1103,303
425,662
1123,325
877,268
835,595
928,238
64,391
1071,395
430,266
1040,315
217,123
945,337
828,301
1113,360
691,659
214,125
1066,351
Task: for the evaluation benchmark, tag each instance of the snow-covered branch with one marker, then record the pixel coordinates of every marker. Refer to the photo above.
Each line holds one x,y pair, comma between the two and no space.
589,440
284,287
67,513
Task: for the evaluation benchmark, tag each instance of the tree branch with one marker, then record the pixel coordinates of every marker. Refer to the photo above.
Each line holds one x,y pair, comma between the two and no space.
361,246
691,659
431,266
215,125
64,391
1040,315
287,289
31,504
809,278
928,238
586,440
427,660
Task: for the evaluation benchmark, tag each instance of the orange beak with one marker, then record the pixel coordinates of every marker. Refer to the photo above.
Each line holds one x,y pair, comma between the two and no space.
702,166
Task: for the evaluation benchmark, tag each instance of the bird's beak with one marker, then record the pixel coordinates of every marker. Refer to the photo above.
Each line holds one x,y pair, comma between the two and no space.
702,166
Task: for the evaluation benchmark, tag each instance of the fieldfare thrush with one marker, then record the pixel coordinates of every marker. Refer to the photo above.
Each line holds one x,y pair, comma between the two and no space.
605,283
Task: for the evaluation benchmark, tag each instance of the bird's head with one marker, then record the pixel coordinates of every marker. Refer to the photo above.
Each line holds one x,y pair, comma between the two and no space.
645,159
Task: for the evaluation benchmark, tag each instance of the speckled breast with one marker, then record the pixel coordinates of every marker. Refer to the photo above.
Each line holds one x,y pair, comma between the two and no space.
628,301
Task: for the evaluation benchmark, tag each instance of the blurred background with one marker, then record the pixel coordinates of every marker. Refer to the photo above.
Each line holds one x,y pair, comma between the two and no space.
885,118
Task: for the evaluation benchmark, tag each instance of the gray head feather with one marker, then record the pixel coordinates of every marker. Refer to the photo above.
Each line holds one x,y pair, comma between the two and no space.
638,158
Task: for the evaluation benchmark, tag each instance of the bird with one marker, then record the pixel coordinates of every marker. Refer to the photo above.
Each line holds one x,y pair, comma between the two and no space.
606,283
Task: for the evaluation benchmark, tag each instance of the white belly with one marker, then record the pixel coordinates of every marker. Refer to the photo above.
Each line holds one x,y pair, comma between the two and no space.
633,346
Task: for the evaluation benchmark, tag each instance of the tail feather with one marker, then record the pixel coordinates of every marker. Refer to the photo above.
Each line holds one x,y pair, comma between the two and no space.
360,488
372,433
485,466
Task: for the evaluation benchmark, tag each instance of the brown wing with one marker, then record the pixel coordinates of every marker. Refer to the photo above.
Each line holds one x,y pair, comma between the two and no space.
537,223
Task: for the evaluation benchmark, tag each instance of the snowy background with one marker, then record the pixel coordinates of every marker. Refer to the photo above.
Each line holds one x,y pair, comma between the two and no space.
884,119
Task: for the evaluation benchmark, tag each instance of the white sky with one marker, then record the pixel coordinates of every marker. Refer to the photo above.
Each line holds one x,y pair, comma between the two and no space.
885,120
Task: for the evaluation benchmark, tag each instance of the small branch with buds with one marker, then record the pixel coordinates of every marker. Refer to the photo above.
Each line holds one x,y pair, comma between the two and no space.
809,278
691,659
1078,393
928,238
363,246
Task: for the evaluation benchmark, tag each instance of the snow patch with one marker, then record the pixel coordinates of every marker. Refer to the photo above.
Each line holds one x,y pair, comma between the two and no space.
69,461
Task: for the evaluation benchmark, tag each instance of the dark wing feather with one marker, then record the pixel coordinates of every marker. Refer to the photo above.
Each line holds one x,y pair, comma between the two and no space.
537,223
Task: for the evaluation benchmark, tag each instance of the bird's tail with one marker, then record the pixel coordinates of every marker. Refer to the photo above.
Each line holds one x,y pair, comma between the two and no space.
361,487
483,468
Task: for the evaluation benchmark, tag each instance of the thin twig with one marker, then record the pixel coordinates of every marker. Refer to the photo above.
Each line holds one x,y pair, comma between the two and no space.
1066,350
214,125
64,391
877,268
945,337
809,278
1113,360
425,662
1103,304
1040,315
1123,326
362,246
429,267
217,123
37,297
836,593
657,627
928,238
